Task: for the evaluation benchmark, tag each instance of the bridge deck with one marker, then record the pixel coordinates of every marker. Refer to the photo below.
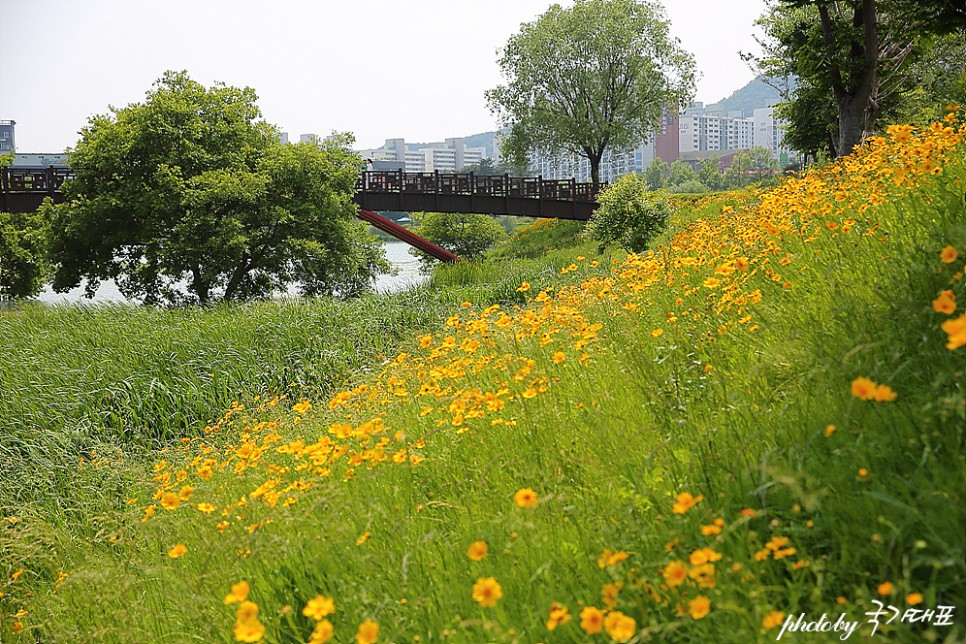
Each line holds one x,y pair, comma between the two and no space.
23,189
396,190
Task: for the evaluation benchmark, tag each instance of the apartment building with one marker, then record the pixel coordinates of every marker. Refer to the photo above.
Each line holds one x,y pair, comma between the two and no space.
446,156
770,134
701,132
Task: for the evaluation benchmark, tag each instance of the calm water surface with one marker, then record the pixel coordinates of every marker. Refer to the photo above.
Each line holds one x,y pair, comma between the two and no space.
397,252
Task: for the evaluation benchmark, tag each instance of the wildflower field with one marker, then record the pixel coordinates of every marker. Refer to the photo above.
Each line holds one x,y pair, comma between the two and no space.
763,416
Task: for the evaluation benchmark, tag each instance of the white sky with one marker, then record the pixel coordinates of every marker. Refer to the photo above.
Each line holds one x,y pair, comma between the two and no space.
415,69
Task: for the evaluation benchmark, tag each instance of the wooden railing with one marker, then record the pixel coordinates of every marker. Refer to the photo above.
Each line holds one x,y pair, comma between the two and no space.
398,181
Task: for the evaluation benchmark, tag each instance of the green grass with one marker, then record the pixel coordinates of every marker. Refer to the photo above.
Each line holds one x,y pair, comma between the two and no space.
643,385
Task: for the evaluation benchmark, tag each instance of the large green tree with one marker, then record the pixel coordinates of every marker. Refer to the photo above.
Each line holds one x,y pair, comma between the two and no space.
189,197
855,60
464,234
599,74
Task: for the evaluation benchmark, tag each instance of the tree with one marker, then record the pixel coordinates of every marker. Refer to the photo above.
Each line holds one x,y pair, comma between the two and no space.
189,197
657,173
630,214
601,73
466,235
680,172
23,266
737,174
854,60
709,173
762,163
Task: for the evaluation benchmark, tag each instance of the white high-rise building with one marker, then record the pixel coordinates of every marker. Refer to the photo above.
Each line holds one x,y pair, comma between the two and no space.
770,134
710,132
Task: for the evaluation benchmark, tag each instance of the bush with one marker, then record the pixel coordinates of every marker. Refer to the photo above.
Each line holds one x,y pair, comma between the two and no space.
629,214
23,264
466,235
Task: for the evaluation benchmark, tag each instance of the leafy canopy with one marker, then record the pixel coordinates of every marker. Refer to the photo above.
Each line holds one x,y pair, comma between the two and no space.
630,214
464,234
23,265
601,73
190,197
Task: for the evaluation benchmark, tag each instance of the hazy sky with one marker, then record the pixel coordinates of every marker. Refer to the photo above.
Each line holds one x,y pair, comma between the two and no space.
378,68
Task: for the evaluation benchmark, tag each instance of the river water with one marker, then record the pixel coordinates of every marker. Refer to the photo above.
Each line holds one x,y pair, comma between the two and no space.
406,274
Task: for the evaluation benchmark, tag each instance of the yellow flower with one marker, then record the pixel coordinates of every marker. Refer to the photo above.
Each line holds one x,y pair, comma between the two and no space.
477,550
675,573
524,287
368,632
302,407
829,430
884,393
170,500
656,333
685,501
487,591
591,620
703,556
247,626
363,538
608,558
863,388
948,255
177,551
699,607
207,508
914,599
863,473
559,357
185,493
322,633
772,620
239,593
558,615
956,330
886,588
525,498
609,593
17,628
945,303
619,626
318,607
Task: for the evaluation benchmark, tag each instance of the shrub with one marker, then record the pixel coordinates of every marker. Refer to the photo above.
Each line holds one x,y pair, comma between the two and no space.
629,214
466,235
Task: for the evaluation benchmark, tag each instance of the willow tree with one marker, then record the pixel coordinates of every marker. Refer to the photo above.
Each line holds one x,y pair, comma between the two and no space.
600,74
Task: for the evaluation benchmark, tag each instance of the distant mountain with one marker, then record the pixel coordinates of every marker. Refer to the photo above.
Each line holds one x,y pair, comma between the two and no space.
756,94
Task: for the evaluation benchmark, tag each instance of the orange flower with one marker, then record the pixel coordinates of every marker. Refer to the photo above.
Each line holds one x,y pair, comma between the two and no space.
609,593
685,501
477,550
619,626
558,615
948,255
239,593
956,330
945,303
772,620
319,607
863,388
675,573
913,599
170,500
699,607
609,558
322,633
886,588
368,632
884,393
525,498
487,591
177,551
591,620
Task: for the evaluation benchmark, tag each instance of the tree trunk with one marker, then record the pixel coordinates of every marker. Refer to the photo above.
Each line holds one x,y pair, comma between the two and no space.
852,122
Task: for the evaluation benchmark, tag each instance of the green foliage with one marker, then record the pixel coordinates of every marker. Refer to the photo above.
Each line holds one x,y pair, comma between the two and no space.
189,197
466,235
6,160
657,173
23,248
710,174
680,172
540,237
598,74
858,62
629,214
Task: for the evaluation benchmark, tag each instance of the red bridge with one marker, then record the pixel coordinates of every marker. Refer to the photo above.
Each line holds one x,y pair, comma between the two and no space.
23,190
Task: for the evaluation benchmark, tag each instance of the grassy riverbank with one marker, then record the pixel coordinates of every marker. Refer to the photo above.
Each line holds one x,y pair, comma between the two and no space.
762,418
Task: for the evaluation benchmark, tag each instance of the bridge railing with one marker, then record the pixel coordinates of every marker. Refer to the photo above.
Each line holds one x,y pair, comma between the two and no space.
46,180
472,184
